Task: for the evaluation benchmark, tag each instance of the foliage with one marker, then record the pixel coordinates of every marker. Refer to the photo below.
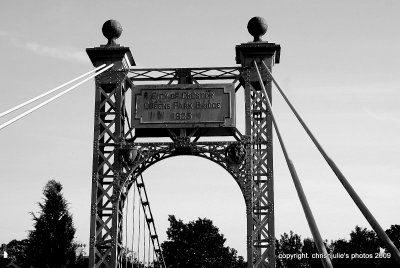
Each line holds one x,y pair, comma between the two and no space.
129,259
16,250
394,234
364,244
51,242
311,250
198,244
362,250
341,246
363,240
289,244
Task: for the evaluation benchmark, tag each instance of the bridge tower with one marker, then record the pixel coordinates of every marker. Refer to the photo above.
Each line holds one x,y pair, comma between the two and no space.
105,242
118,160
260,202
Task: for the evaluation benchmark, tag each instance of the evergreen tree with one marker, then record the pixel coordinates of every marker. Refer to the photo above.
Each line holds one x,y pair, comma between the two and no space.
51,242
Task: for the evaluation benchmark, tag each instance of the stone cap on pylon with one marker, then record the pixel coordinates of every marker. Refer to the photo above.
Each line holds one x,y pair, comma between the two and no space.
257,49
111,52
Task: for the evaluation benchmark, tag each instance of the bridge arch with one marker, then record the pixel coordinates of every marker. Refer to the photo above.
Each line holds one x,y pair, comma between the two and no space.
228,155
135,158
190,187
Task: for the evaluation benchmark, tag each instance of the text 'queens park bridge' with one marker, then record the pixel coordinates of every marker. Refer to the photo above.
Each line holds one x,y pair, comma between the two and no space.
183,105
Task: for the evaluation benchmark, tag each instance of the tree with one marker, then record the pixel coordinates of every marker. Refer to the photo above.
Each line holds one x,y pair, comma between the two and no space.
51,242
360,250
311,250
291,251
16,250
364,240
394,234
365,245
288,245
342,246
198,244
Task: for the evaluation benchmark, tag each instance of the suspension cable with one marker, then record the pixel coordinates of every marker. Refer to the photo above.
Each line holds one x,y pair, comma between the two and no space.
350,190
126,229
303,199
148,252
144,239
133,220
138,247
48,92
53,98
150,222
154,265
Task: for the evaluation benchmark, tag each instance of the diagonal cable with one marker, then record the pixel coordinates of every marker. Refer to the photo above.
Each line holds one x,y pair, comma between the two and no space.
47,93
303,199
350,190
16,118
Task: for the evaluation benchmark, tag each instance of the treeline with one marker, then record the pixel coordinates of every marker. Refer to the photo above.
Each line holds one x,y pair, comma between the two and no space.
193,244
364,249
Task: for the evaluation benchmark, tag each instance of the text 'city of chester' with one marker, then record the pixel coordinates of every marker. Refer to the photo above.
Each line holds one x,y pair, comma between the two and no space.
207,105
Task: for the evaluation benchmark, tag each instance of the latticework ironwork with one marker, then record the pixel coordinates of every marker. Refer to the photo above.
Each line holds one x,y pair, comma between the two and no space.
106,212
151,153
119,159
262,213
174,74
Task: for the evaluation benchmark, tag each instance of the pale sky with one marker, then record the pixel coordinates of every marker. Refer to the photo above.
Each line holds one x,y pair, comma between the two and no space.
339,66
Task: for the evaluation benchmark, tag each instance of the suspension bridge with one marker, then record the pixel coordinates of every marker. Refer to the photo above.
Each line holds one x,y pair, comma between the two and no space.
184,105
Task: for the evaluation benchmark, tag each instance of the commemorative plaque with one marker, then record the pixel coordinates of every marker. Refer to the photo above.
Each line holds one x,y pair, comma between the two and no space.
183,106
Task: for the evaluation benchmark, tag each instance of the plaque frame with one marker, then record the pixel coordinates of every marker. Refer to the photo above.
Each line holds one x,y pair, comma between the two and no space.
209,120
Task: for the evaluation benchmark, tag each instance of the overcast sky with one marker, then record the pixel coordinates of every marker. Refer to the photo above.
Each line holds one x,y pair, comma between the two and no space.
339,65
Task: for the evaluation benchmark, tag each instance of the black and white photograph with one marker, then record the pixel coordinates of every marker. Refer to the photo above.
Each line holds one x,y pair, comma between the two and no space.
204,134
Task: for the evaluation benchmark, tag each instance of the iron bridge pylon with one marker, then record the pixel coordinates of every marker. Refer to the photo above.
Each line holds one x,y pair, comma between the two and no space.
118,158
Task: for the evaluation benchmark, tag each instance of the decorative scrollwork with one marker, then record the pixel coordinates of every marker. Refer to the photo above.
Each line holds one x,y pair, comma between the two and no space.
182,145
129,156
235,153
182,141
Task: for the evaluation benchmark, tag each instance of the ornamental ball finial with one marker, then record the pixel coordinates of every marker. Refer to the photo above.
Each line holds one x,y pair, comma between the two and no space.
257,27
111,29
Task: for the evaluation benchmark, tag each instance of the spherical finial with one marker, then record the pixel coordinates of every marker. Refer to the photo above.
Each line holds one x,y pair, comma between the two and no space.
257,27
112,29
